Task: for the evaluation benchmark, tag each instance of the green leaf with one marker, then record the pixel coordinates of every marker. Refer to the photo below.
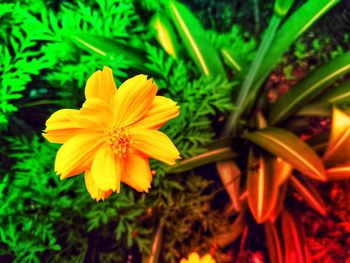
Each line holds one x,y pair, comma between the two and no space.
193,37
204,158
337,95
282,7
315,109
165,34
293,237
339,172
274,244
109,48
309,194
262,185
299,22
309,88
280,203
156,245
249,78
230,177
291,149
230,58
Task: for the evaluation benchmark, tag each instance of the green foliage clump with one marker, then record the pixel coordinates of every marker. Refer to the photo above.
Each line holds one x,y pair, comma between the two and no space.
242,43
19,61
43,218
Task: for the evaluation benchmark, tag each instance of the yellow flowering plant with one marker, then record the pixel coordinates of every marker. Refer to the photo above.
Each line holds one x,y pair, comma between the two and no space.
113,135
194,258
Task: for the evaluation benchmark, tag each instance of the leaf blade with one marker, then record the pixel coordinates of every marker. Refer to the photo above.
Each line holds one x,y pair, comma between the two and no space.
299,22
309,88
109,48
337,95
341,172
193,37
291,149
337,150
165,34
293,237
274,243
261,185
309,194
220,154
230,177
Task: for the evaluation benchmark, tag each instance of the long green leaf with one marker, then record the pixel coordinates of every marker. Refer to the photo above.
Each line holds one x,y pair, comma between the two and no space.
193,37
231,59
250,76
291,149
221,154
300,21
274,243
262,185
156,246
282,7
339,95
293,237
280,203
340,172
109,48
309,88
309,194
230,176
165,34
315,109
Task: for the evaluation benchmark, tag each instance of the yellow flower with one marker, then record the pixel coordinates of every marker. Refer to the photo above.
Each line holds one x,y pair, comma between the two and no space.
114,134
194,258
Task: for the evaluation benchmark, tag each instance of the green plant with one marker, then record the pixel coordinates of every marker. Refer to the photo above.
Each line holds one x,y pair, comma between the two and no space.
77,224
272,156
180,214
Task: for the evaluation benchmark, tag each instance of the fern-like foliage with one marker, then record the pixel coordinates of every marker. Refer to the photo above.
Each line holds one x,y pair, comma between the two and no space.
45,219
19,61
240,42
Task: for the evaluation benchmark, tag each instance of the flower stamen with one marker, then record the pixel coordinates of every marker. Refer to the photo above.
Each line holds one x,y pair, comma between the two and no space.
120,140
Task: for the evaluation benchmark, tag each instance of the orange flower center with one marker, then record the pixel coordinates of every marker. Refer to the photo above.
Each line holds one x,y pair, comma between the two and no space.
120,139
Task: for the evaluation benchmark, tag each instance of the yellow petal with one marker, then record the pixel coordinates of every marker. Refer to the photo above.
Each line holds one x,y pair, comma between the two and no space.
60,128
76,155
133,99
161,111
93,189
184,261
95,114
193,258
207,259
137,173
106,169
101,85
155,144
